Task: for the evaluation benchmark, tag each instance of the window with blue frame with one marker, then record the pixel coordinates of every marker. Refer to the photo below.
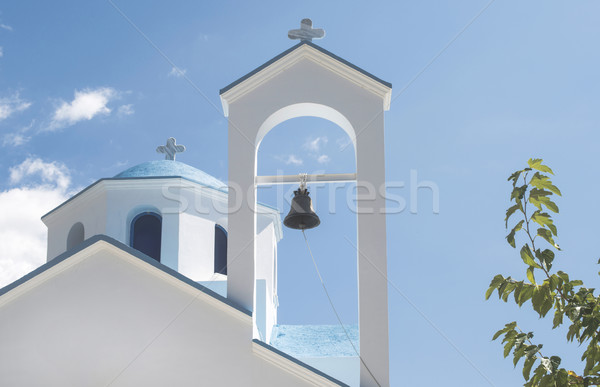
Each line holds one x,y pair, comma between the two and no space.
220,250
146,231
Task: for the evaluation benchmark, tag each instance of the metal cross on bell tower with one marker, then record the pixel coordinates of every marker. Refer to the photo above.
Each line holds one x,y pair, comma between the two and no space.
170,149
306,33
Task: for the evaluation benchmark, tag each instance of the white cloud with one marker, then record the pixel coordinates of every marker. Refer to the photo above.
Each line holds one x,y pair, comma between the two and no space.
1,52
86,105
6,27
12,104
177,72
15,139
49,173
291,159
43,186
315,144
126,110
19,137
323,159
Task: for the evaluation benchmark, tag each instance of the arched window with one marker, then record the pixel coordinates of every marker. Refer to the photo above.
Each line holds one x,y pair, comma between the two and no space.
76,235
220,250
146,234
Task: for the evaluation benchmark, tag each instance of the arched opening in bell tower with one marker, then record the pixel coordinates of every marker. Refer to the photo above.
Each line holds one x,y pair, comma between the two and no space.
313,145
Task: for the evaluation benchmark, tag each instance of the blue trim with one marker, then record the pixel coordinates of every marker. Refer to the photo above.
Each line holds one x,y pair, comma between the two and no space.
311,44
302,364
151,261
171,168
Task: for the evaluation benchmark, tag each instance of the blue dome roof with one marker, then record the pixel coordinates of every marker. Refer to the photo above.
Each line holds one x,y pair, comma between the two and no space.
171,168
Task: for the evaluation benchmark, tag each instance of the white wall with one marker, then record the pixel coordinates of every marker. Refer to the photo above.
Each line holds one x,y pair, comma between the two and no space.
265,271
196,247
103,316
308,82
189,214
109,206
91,213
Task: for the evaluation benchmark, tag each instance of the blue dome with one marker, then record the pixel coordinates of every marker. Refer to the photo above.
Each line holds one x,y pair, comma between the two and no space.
171,168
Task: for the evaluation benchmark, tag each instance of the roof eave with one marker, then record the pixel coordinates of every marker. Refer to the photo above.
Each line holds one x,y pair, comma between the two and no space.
293,365
108,242
305,49
99,183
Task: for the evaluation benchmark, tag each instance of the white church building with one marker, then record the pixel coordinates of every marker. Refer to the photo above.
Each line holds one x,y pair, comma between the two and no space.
166,276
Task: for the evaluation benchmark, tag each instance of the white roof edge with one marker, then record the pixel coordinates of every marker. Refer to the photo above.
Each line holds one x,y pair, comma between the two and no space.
305,51
292,366
100,243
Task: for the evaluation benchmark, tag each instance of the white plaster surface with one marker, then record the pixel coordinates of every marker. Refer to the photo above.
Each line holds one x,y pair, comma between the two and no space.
105,317
311,84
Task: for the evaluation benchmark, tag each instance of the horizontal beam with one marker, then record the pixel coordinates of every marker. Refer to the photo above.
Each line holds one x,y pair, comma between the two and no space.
295,179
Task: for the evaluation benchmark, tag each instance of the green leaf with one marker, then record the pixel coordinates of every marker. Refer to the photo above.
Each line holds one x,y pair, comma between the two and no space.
530,275
518,192
537,164
546,257
539,197
549,204
538,299
547,235
543,219
555,363
527,257
543,182
547,304
515,177
564,276
558,318
497,334
507,328
526,293
562,378
508,346
509,212
508,289
538,193
527,366
518,354
496,281
517,292
489,292
555,282
510,238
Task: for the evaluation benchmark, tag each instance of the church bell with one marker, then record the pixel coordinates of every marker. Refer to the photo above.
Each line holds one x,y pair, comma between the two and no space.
301,215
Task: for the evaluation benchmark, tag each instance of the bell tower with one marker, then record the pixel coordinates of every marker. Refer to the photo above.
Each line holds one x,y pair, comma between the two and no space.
307,80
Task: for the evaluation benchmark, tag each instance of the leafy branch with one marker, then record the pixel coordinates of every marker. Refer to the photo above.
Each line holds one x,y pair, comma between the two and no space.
532,186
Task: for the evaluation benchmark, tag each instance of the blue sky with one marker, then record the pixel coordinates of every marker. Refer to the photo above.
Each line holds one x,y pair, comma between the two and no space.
84,96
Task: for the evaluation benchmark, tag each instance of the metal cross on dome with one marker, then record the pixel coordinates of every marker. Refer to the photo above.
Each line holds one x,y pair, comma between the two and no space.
306,33
170,149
